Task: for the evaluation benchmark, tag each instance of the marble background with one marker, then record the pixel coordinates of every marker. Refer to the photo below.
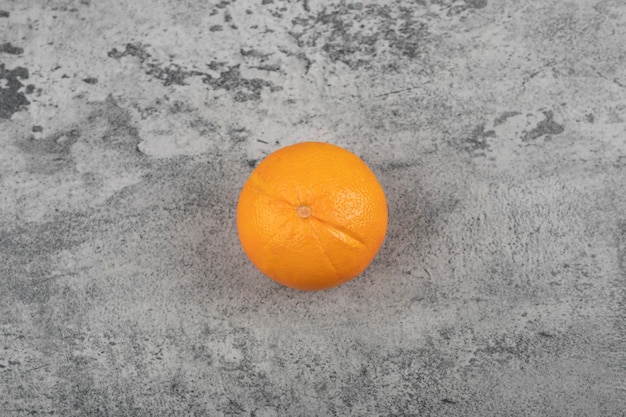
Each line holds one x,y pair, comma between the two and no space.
497,128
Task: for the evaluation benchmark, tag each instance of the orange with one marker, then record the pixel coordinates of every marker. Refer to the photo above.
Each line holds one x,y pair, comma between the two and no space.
311,216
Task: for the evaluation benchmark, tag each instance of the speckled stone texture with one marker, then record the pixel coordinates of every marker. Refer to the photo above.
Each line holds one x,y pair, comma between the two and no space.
497,128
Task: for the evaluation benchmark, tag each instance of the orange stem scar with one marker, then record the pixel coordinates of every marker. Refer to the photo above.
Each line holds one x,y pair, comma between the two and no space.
304,211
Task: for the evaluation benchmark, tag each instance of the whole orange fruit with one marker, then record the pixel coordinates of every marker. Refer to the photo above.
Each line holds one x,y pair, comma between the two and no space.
311,216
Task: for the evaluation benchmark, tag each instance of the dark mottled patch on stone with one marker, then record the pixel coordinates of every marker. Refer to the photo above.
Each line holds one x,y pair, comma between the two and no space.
37,129
90,80
29,89
238,134
344,32
4,13
477,4
172,74
244,89
10,49
216,28
264,2
178,106
252,162
11,99
135,49
216,66
505,116
545,127
202,126
268,68
477,143
253,53
590,118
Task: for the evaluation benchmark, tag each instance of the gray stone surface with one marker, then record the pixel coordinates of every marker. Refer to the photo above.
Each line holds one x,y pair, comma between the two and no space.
497,128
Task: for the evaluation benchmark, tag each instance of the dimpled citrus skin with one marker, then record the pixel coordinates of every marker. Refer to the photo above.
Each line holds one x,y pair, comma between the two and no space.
311,216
